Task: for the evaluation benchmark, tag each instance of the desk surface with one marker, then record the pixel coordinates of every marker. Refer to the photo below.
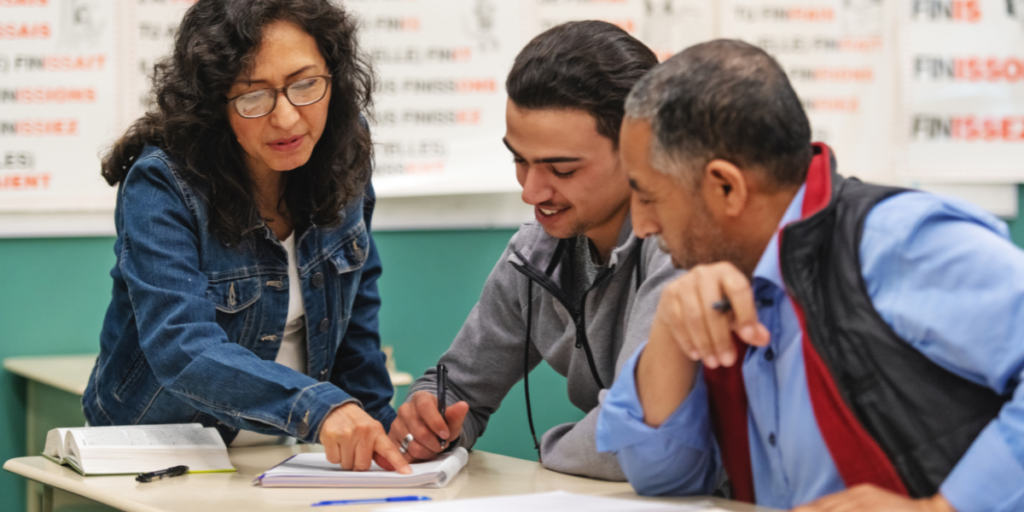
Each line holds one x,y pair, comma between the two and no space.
71,373
487,474
66,373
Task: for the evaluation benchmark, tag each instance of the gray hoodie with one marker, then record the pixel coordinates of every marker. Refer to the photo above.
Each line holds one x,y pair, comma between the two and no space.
487,357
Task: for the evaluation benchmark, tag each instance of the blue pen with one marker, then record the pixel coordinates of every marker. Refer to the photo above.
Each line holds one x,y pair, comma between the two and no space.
371,500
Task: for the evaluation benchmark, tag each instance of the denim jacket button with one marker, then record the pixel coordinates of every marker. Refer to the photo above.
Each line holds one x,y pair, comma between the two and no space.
318,280
324,324
302,429
323,375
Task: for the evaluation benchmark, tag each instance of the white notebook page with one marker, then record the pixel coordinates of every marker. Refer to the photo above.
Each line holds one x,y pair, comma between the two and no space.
313,470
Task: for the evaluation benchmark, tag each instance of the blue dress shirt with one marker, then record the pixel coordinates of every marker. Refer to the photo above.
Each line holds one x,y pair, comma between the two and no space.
944,275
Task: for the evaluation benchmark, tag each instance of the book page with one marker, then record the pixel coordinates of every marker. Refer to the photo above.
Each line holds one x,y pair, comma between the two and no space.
162,438
95,451
55,448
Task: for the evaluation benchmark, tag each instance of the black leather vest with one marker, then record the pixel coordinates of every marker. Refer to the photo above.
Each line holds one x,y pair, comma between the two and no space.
922,416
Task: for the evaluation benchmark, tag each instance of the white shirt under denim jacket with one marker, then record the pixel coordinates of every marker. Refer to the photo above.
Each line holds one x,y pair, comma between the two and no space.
194,326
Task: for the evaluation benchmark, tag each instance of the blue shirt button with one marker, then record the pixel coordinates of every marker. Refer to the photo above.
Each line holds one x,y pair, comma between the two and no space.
769,354
771,439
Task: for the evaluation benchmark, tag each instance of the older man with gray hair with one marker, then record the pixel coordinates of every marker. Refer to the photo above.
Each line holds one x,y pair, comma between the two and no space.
836,345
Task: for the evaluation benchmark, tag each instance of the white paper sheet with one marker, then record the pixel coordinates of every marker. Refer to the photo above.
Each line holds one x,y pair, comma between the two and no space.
313,470
559,501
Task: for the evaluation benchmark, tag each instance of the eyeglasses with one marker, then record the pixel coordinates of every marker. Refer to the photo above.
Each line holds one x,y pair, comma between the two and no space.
262,102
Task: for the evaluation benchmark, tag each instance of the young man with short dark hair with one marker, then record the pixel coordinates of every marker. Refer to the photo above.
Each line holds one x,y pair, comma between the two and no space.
574,288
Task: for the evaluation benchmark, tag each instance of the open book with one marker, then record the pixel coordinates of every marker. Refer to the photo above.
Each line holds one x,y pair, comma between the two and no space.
313,470
137,449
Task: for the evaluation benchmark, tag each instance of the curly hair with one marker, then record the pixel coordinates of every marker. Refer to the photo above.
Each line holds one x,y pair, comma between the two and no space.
217,40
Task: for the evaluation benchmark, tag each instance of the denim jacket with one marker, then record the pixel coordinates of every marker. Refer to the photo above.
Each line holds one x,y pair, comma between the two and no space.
194,326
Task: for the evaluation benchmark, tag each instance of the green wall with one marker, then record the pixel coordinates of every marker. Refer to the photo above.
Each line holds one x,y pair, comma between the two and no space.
53,293
52,302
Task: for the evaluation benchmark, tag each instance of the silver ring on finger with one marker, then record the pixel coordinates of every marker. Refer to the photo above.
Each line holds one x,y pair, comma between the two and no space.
405,443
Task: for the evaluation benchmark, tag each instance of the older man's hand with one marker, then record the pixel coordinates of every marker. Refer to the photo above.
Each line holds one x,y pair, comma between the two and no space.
869,498
701,331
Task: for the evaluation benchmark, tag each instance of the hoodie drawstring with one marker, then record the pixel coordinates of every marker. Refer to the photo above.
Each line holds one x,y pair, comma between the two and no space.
526,365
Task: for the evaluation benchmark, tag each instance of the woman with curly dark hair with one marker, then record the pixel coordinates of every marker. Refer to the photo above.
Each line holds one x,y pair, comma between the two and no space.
245,292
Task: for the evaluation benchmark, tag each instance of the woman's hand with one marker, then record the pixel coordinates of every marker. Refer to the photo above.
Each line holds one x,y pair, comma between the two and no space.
353,439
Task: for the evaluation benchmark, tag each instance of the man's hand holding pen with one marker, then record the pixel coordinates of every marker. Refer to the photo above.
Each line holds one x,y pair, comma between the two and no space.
703,309
424,426
695,321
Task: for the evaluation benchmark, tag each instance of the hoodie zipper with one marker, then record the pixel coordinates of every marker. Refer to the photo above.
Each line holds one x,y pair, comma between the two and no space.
578,315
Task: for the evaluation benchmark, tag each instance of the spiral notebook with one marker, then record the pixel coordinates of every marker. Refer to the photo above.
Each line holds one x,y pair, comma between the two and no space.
313,470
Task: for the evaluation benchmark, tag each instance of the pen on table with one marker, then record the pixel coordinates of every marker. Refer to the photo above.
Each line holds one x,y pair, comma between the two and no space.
370,500
442,396
163,473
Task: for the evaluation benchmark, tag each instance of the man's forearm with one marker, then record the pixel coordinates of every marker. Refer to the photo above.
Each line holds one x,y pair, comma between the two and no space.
571,448
664,376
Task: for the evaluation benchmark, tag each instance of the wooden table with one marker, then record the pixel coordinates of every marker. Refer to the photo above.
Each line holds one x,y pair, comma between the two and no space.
66,373
487,474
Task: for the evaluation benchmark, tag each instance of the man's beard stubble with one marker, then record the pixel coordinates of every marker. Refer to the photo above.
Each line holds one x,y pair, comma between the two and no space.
702,241
579,229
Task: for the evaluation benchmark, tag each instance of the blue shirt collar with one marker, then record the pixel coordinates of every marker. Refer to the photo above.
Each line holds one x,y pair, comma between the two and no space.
768,266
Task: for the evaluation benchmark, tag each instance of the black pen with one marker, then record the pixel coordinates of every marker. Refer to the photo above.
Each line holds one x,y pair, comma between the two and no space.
163,473
442,396
722,306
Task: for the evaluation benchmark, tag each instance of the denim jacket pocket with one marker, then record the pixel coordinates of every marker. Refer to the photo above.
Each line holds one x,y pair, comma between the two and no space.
233,299
136,367
352,253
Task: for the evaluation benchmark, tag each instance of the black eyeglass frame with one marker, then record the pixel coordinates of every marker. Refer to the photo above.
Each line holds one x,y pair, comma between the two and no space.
277,92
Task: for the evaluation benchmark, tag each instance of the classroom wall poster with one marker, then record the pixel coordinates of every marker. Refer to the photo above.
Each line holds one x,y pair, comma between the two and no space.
925,90
440,105
963,90
155,25
58,70
838,56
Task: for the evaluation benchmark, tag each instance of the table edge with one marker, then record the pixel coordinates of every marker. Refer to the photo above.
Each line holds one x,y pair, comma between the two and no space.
11,364
71,486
